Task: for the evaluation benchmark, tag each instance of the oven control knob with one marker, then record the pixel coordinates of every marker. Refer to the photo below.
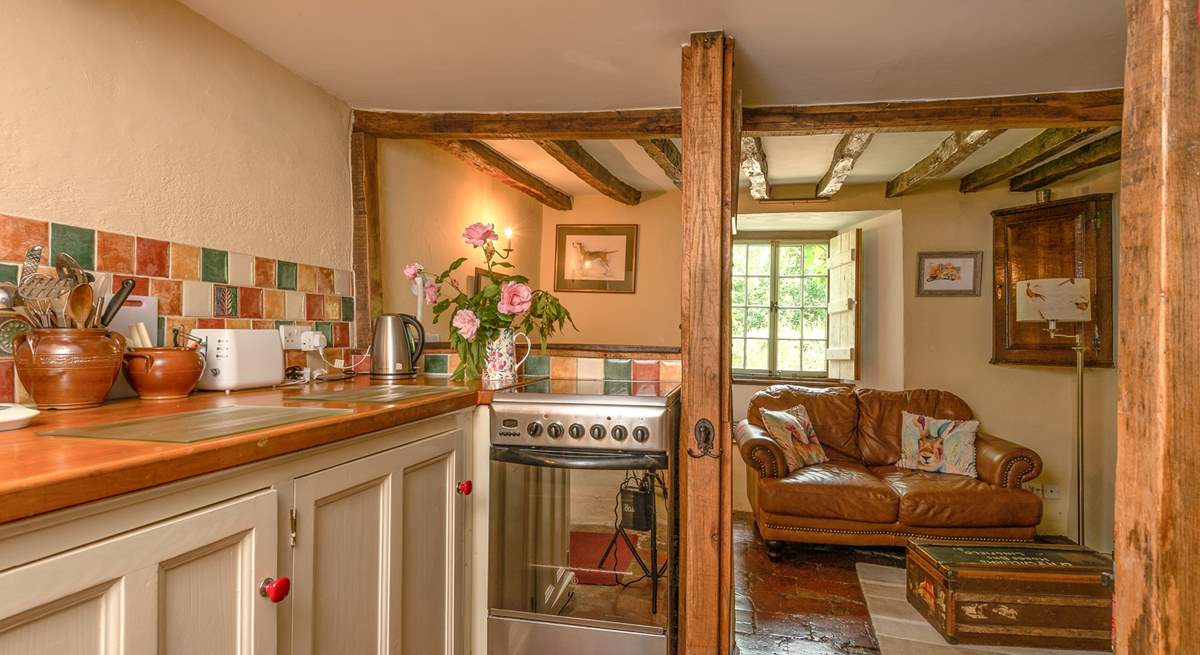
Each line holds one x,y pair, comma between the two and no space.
597,431
555,430
620,432
534,429
576,431
641,434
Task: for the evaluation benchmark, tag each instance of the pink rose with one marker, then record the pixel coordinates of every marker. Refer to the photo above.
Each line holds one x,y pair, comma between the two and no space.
515,298
431,292
478,234
466,322
413,270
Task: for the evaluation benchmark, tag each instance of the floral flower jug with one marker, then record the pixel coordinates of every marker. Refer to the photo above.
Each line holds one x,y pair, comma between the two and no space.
500,359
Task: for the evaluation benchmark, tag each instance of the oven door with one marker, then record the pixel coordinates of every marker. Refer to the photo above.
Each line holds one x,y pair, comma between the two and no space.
574,537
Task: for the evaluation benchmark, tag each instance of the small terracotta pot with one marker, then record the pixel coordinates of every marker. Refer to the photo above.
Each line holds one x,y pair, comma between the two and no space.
67,368
163,373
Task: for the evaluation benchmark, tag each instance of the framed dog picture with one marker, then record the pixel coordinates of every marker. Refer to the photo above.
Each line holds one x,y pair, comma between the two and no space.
949,273
596,258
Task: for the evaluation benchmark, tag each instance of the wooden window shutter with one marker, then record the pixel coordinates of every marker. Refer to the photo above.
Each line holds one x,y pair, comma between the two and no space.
845,316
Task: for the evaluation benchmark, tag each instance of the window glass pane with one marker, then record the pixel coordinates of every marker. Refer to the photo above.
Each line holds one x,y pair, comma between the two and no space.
757,354
739,353
758,291
789,326
739,322
816,323
738,293
791,260
758,322
816,291
814,356
788,353
815,256
759,259
739,259
791,291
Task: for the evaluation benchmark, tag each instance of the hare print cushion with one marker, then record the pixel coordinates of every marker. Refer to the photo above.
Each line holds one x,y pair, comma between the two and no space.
794,433
938,445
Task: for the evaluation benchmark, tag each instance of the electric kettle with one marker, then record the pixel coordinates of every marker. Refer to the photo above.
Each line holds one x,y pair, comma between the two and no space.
395,348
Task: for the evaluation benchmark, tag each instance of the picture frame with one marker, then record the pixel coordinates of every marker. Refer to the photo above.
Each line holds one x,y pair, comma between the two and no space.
596,258
949,273
481,278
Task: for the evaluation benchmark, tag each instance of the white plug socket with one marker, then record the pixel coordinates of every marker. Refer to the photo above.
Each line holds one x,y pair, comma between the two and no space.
290,336
312,340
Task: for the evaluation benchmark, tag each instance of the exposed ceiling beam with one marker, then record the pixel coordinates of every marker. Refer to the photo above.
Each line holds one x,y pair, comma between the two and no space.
1097,153
1044,146
489,161
950,153
754,165
667,156
1072,109
848,150
580,162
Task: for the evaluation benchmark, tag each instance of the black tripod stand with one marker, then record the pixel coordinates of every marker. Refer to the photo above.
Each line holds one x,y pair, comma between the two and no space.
652,570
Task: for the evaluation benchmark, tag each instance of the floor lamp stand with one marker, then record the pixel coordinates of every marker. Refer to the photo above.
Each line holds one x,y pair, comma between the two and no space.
1078,347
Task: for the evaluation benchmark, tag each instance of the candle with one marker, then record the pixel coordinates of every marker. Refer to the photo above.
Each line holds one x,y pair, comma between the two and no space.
508,232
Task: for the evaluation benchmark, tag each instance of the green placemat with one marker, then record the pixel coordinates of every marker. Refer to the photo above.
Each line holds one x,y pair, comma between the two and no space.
380,393
189,427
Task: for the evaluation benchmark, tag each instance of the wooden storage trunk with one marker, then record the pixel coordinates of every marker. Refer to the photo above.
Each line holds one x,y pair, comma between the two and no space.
1037,595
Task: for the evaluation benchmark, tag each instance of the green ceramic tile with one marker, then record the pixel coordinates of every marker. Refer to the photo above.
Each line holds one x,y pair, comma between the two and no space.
538,387
77,242
537,365
214,265
162,330
437,363
347,308
8,273
326,328
617,369
285,275
615,388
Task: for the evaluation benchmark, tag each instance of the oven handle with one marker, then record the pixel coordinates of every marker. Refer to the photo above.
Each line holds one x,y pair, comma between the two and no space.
565,458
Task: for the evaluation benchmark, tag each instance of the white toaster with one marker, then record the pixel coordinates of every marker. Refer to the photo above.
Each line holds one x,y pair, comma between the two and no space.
240,359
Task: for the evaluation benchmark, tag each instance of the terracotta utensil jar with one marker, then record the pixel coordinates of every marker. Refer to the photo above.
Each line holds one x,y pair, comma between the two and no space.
68,369
163,373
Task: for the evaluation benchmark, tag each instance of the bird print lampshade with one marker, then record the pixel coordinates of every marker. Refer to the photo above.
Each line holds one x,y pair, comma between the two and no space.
1067,299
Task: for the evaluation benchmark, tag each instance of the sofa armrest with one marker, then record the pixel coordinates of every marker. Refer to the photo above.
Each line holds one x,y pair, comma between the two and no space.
760,450
1004,463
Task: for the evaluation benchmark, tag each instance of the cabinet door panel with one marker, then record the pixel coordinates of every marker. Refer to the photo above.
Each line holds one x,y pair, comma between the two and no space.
427,560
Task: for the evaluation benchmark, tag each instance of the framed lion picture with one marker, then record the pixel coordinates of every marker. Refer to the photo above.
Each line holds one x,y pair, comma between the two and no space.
949,273
596,258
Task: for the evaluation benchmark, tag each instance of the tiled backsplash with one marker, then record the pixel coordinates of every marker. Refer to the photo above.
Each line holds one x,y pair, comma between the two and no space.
576,368
196,287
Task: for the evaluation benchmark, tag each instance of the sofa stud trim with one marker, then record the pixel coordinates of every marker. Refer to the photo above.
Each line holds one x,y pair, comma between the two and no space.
890,533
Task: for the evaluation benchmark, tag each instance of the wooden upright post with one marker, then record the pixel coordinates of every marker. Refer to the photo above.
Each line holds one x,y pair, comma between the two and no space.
1158,461
711,154
368,266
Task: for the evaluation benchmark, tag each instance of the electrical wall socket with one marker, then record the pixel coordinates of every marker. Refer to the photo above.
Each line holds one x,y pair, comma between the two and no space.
312,340
290,335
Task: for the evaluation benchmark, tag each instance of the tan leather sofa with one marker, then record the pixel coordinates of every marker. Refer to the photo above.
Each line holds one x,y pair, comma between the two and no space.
860,496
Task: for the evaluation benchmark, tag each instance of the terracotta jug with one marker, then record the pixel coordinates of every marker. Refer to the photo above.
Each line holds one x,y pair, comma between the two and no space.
163,373
68,368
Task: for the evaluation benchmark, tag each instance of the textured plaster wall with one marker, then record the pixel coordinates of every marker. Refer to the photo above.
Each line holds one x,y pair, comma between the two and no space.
140,116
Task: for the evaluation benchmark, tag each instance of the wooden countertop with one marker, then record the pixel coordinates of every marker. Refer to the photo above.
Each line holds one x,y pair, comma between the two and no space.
40,473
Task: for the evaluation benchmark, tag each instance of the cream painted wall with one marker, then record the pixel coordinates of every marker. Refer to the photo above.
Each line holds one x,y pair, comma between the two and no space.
650,316
140,116
947,344
426,198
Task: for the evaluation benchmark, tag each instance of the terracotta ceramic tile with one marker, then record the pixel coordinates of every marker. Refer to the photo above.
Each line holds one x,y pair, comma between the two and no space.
314,306
259,324
185,262
169,294
272,304
141,285
172,322
563,368
17,235
324,280
362,364
294,358
341,334
225,301
306,278
264,273
210,323
238,323
78,242
153,257
645,370
250,302
333,307
114,252
670,370
7,383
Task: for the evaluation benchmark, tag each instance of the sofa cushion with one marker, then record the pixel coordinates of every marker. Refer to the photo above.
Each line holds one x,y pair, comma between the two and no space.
956,501
797,438
832,410
832,490
879,418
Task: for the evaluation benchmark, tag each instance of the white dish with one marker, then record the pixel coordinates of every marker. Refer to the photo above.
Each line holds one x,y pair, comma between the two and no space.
15,417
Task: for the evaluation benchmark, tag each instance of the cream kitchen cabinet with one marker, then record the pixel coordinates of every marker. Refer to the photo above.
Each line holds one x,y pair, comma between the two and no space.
370,531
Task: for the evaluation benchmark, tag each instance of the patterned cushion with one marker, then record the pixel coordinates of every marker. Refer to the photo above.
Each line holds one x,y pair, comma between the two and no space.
937,445
795,435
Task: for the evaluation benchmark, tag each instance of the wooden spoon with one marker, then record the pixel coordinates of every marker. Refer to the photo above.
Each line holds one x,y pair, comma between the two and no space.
79,305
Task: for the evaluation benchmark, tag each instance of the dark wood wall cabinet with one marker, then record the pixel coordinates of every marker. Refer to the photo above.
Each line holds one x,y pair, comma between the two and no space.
1063,238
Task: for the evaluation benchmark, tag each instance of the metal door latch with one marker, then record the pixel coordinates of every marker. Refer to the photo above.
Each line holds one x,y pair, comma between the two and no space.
706,437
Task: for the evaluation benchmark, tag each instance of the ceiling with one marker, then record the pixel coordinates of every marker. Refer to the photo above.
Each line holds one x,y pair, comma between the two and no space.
528,55
624,158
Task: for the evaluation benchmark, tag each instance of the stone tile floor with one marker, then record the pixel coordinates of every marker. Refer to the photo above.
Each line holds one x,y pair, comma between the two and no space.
809,603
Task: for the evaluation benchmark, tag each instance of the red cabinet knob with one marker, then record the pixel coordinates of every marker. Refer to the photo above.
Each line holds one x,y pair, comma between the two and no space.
275,589
465,487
